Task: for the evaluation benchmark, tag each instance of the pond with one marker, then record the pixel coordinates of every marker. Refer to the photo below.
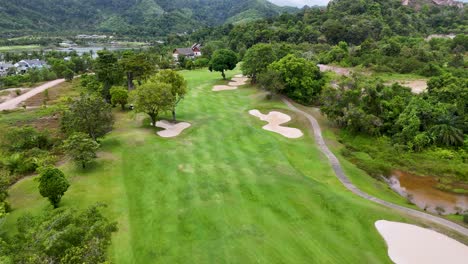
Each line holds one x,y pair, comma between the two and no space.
93,49
422,192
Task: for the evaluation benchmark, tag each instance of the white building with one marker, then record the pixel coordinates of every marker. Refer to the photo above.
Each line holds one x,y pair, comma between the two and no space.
25,65
4,67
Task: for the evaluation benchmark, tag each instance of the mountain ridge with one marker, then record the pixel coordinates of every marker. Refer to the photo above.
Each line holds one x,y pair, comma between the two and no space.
150,17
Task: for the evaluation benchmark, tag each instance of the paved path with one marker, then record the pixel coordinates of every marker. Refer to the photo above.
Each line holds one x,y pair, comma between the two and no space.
347,183
13,103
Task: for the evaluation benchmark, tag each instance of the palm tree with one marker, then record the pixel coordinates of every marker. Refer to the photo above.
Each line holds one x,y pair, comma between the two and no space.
447,135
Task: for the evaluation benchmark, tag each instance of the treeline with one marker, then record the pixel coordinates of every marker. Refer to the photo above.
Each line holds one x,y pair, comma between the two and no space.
414,122
343,20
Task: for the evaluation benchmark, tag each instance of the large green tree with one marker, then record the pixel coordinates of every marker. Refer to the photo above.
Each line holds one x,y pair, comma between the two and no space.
178,86
223,60
108,71
152,98
90,115
257,59
53,185
64,235
119,95
137,66
302,77
81,148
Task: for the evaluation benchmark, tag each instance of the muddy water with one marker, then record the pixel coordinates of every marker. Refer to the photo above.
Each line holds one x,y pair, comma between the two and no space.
422,192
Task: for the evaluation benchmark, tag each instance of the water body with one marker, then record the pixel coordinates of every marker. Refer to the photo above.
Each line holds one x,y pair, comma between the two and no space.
422,192
93,49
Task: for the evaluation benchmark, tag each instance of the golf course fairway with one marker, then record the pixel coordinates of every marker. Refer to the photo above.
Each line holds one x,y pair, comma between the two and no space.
223,191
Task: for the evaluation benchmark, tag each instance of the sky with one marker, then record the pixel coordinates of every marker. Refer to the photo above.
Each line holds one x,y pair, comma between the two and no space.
301,3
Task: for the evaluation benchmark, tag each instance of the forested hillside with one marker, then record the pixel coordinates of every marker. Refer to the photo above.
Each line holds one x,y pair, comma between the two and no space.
136,17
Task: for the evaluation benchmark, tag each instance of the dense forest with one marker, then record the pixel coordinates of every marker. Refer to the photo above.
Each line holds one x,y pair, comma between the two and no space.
132,17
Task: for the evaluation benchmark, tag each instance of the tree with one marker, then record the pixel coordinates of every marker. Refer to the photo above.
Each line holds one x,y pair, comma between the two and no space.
257,59
152,98
4,185
223,60
53,185
108,72
63,235
68,75
136,67
272,82
178,87
119,95
90,115
81,148
303,79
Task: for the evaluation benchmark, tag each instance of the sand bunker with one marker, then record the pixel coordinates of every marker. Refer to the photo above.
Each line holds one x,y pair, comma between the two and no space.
172,130
235,82
275,119
412,244
218,88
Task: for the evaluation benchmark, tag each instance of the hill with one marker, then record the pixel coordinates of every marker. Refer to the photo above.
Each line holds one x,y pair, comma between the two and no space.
419,3
137,17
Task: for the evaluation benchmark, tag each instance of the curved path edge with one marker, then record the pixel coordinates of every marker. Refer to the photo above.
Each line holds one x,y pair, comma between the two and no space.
14,102
339,172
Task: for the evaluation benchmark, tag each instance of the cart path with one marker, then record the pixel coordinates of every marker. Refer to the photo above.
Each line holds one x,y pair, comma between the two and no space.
350,186
13,103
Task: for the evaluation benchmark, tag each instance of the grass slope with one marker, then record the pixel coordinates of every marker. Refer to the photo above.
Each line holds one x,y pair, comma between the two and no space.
225,191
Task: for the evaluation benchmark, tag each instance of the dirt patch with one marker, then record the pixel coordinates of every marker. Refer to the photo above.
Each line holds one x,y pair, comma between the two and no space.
8,94
338,70
275,119
413,244
106,155
171,129
416,86
49,97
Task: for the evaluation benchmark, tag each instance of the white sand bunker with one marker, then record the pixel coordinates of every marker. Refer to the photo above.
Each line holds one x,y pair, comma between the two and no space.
275,119
412,244
218,88
235,82
172,130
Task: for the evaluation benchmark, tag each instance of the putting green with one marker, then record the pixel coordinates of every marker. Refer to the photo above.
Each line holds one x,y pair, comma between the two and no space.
224,191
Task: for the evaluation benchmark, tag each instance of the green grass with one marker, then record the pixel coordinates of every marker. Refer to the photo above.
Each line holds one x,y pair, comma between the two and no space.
19,48
225,191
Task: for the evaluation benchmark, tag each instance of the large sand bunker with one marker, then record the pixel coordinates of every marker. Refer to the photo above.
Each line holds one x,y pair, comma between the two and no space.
171,129
235,82
412,244
275,119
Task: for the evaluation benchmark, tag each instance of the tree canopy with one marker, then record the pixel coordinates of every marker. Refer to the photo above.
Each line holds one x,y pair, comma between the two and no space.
153,98
178,86
90,115
63,235
223,60
53,185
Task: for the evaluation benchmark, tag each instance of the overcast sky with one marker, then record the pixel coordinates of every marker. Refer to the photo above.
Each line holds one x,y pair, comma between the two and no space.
301,3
